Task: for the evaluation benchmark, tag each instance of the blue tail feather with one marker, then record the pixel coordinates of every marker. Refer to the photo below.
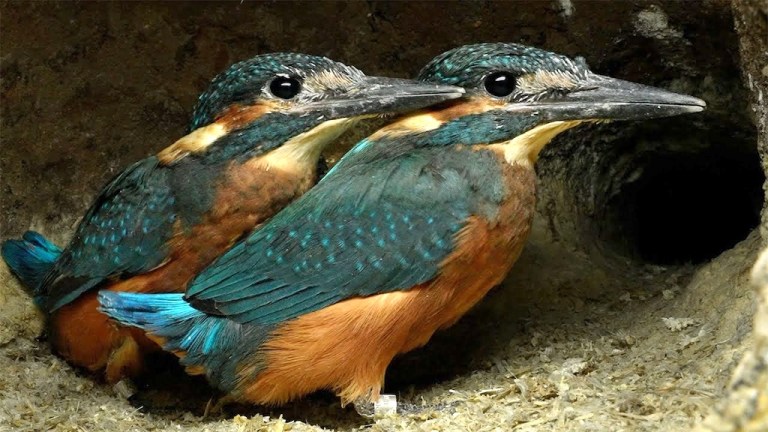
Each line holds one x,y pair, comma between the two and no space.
30,259
215,343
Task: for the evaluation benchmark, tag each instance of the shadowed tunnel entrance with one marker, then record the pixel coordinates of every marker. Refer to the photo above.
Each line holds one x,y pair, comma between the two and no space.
689,208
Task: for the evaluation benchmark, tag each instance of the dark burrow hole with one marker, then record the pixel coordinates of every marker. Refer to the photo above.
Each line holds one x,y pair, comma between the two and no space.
679,203
691,207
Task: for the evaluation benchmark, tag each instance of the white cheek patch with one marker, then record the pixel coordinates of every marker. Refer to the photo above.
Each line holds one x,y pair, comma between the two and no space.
199,140
427,120
422,122
411,124
195,142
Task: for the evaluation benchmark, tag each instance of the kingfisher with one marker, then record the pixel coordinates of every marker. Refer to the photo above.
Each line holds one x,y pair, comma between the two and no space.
256,137
409,230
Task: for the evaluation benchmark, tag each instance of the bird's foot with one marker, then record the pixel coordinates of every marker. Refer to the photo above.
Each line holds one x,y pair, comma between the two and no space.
388,405
215,406
125,388
384,406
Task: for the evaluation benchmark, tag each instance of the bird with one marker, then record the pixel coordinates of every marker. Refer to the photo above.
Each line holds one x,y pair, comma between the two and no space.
406,233
255,139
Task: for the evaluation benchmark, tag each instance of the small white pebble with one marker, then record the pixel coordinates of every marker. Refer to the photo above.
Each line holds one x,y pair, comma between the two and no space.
653,22
574,366
566,8
677,324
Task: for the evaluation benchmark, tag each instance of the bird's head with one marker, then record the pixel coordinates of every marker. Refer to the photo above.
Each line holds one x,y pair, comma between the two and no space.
269,100
525,96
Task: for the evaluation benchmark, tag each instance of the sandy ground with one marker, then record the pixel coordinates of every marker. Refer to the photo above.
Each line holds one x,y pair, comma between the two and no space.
652,355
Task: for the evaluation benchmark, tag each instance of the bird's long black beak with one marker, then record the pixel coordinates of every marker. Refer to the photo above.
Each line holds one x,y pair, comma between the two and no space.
605,98
379,95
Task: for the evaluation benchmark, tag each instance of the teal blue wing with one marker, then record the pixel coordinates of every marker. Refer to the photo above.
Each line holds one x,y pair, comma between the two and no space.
375,229
123,233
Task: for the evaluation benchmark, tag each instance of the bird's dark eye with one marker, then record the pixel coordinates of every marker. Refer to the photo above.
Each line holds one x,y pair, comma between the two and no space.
500,84
285,87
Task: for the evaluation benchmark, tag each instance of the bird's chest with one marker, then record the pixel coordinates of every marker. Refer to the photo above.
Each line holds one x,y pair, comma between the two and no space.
510,229
486,248
230,205
255,190
245,196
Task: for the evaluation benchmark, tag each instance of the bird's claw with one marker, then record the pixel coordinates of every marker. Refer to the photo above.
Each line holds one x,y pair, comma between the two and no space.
388,405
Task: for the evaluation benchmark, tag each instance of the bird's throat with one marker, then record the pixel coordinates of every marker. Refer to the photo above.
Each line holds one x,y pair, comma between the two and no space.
524,149
301,153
